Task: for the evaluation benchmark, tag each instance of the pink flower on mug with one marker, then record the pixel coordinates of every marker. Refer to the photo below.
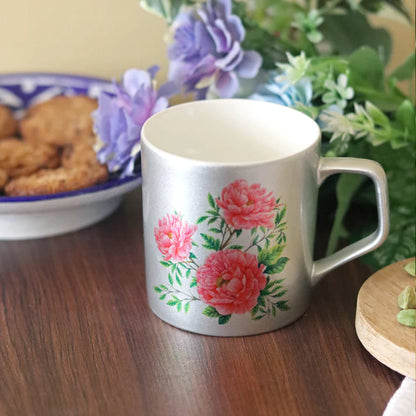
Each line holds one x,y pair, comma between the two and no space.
246,207
174,237
231,281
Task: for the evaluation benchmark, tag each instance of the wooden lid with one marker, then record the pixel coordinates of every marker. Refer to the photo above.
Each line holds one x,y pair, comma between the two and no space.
377,328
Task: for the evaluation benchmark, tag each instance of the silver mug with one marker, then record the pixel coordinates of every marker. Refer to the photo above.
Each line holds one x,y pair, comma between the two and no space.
229,208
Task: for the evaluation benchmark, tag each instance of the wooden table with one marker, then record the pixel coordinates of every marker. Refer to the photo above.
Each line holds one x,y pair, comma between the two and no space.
77,338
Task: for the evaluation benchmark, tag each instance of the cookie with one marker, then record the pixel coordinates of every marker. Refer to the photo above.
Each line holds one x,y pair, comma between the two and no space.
59,121
49,181
8,125
79,154
18,158
3,178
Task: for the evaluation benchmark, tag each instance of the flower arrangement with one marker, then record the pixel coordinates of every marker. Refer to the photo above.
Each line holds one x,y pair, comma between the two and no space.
320,57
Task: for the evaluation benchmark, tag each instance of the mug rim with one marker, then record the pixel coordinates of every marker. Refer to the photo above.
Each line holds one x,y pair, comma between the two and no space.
315,143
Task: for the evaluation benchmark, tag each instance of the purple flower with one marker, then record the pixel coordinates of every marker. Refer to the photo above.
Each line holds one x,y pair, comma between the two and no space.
119,119
206,52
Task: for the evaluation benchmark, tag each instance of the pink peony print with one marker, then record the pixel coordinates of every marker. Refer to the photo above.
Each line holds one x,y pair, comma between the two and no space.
230,280
246,207
174,237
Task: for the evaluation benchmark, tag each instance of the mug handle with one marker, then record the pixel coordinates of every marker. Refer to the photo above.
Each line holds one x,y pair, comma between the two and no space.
331,165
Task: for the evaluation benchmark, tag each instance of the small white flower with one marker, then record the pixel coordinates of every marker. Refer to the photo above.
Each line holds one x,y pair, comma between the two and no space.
338,124
338,92
294,70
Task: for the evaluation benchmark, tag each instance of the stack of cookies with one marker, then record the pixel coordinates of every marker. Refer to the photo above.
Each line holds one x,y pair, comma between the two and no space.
51,149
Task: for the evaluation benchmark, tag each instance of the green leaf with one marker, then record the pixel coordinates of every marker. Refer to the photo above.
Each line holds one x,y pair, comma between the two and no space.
261,301
351,30
406,69
270,285
347,186
238,233
236,247
211,312
254,311
400,170
268,257
193,282
188,273
282,305
179,306
405,116
211,243
366,68
280,294
212,220
223,319
215,230
374,6
163,287
278,267
201,219
376,114
280,215
186,307
258,39
171,302
192,256
178,280
162,296
211,202
170,279
165,263
410,268
157,289
168,9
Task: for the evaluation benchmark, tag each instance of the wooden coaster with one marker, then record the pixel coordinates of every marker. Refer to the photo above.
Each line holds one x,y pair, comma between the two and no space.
377,328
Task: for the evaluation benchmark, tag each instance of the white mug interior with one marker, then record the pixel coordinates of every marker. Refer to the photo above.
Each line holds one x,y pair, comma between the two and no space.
231,131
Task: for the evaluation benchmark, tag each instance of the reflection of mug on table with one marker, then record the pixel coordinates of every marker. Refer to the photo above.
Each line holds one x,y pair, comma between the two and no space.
229,204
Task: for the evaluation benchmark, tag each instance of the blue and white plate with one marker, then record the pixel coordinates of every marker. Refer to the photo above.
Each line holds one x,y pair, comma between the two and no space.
47,215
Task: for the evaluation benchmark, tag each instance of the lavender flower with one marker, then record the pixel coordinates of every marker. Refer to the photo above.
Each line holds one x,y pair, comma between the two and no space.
119,119
206,52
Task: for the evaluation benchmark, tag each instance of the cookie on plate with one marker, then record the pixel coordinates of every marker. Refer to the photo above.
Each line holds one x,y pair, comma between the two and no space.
79,154
3,178
8,125
59,121
19,158
49,181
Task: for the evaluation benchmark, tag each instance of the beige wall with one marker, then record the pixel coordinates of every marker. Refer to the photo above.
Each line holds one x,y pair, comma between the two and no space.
98,37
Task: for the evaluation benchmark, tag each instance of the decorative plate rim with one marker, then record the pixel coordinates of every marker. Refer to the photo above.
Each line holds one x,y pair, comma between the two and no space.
109,184
53,74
